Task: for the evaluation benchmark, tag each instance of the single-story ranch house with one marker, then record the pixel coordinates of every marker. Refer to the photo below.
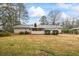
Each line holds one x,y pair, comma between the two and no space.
39,29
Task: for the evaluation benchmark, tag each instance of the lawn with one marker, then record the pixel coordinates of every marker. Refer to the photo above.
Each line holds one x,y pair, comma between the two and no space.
40,45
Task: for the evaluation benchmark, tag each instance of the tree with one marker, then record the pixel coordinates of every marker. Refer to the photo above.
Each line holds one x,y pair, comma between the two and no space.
23,14
73,23
67,24
9,16
70,23
43,20
77,23
54,16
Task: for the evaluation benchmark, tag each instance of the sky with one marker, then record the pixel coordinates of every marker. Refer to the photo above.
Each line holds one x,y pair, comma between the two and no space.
36,10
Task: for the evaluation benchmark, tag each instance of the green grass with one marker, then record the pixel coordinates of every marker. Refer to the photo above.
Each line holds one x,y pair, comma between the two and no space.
21,46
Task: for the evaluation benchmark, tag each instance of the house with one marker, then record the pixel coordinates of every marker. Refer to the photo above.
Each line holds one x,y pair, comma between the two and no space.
75,30
40,29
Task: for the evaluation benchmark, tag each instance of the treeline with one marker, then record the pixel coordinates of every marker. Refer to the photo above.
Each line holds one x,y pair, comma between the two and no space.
54,18
51,19
70,23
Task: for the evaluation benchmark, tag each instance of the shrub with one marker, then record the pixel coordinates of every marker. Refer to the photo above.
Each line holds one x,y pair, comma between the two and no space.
1,30
26,32
55,32
65,31
68,31
71,31
75,32
4,33
47,32
21,33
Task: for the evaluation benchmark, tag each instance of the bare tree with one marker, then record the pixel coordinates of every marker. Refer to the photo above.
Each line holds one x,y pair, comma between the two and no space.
77,23
23,14
73,23
54,15
68,24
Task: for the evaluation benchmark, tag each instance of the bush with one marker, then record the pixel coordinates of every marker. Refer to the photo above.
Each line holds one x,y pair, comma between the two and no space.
26,32
75,32
65,31
47,32
1,31
4,33
55,32
21,33
68,31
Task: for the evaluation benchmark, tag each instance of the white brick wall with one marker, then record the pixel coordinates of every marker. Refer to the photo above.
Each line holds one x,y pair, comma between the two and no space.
37,32
19,30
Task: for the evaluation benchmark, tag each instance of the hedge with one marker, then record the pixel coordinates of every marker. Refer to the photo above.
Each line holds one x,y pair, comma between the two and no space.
55,32
5,33
67,31
47,32
23,33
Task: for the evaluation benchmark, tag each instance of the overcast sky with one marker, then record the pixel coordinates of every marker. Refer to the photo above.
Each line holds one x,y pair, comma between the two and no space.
36,10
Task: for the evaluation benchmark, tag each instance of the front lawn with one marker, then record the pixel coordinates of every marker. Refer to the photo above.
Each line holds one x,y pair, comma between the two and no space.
35,45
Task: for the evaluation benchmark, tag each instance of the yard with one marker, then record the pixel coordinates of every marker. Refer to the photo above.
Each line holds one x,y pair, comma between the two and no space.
36,45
